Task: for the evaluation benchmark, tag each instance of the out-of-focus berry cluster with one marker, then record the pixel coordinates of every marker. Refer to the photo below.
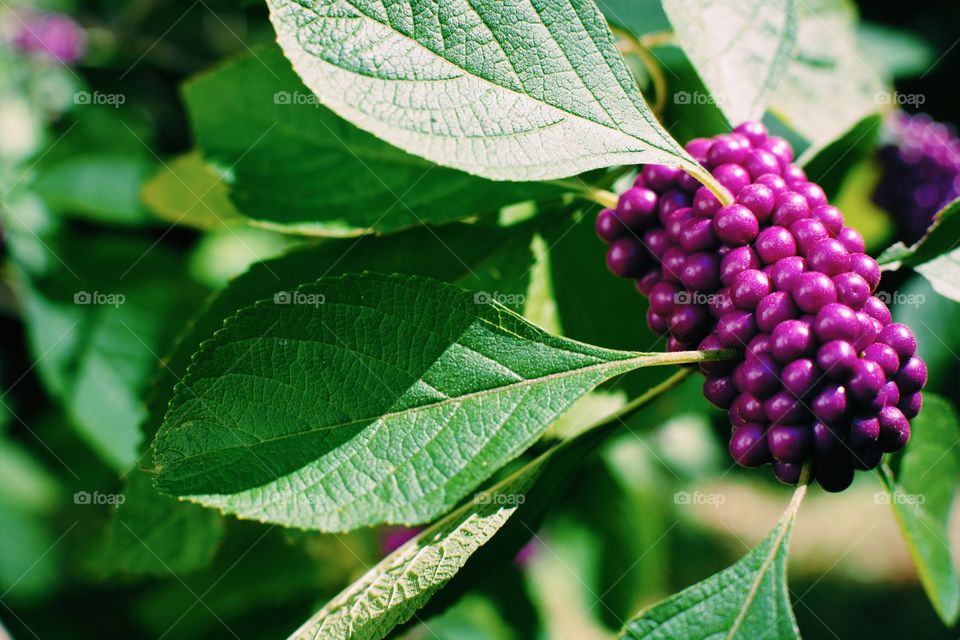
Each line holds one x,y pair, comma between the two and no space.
51,35
920,171
823,375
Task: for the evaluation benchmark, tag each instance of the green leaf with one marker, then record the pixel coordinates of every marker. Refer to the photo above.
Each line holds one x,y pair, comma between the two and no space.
188,191
104,187
96,327
740,50
829,87
747,600
940,239
510,90
367,399
153,534
898,52
830,165
921,492
294,165
479,258
932,317
456,547
637,16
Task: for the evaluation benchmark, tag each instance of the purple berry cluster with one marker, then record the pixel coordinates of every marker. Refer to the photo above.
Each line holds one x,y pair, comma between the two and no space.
53,35
920,171
824,376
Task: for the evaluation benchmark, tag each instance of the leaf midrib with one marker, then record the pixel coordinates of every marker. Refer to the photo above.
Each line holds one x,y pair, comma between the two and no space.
632,362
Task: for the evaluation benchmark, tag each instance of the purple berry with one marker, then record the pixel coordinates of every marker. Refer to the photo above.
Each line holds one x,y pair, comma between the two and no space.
828,256
774,309
759,162
736,328
812,291
852,290
852,241
790,208
837,359
735,225
787,472
885,356
800,377
760,375
701,272
834,477
894,430
789,442
732,176
775,243
689,322
836,321
759,198
877,309
808,232
737,260
866,380
659,177
705,204
783,271
831,218
726,149
609,227
791,339
900,337
863,431
627,258
912,376
830,405
867,268
719,391
911,404
748,445
748,288
755,132
697,234
827,440
637,208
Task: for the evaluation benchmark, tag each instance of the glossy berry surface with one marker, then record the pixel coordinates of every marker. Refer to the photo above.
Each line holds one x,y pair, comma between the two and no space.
823,380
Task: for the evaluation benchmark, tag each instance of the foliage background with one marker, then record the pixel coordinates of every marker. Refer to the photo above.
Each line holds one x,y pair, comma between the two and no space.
76,207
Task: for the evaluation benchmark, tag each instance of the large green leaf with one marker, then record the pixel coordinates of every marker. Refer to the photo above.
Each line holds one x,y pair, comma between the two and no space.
507,89
829,87
292,163
921,492
391,592
739,49
747,600
367,399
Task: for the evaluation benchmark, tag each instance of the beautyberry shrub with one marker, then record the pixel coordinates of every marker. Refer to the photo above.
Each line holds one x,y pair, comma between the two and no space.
823,377
920,171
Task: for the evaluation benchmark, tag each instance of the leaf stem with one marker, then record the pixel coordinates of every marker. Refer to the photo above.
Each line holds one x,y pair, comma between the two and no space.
583,190
706,179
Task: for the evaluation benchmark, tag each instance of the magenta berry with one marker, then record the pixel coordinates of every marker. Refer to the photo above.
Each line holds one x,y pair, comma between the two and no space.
823,379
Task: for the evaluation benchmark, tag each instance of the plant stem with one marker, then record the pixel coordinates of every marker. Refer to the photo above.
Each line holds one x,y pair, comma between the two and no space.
706,179
656,39
631,44
583,190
